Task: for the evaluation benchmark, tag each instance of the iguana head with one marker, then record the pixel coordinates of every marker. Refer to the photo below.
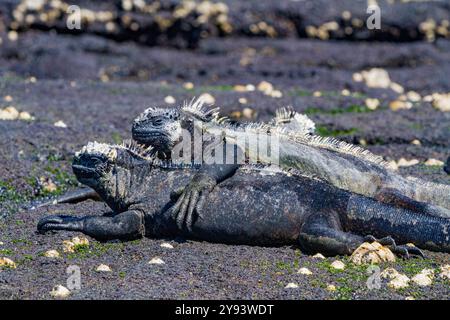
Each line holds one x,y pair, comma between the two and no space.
111,169
162,128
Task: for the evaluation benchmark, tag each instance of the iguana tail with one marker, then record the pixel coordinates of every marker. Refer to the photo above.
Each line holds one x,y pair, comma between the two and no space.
404,226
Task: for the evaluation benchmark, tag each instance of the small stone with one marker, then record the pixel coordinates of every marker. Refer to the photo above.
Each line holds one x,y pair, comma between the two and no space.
76,242
318,256
156,260
250,87
441,102
8,98
445,271
345,92
410,298
208,98
60,291
372,104
243,101
424,278
13,35
304,271
338,265
371,253
8,263
248,113
434,162
413,96
236,114
317,94
291,285
389,273
240,88
357,77
103,268
32,79
396,87
188,85
376,78
399,282
331,287
60,124
402,162
169,100
47,184
24,115
166,245
1,243
400,105
416,142
276,94
265,87
9,113
51,254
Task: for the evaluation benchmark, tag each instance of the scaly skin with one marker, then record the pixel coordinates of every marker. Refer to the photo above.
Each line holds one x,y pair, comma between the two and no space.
338,163
255,206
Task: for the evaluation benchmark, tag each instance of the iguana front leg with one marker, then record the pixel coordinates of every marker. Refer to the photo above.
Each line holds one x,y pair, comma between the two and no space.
125,226
191,198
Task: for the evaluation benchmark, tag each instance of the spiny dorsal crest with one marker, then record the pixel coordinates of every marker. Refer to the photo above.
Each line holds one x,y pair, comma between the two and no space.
197,109
110,150
332,144
287,117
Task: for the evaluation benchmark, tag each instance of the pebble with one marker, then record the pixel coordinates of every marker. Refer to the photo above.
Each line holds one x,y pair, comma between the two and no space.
304,271
11,113
291,285
6,262
372,104
413,96
8,98
265,87
166,245
445,271
371,253
52,254
434,162
376,78
169,100
331,287
424,278
399,282
248,113
416,142
188,85
396,87
345,92
338,265
441,101
400,105
156,260
60,291
243,100
317,94
318,256
103,268
71,245
402,162
60,124
208,98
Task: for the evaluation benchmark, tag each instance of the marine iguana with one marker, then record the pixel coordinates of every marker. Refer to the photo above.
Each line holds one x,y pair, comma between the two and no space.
254,206
339,163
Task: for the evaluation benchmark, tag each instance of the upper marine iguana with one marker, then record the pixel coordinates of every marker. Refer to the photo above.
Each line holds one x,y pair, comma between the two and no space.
339,163
254,206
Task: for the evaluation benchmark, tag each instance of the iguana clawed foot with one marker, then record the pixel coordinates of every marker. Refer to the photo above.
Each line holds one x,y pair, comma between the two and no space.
404,251
59,223
190,200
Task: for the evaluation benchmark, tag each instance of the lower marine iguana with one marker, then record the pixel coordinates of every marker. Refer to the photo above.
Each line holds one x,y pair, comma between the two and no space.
256,206
339,163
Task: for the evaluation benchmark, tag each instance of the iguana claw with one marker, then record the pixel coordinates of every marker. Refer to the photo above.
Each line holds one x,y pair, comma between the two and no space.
190,199
404,251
